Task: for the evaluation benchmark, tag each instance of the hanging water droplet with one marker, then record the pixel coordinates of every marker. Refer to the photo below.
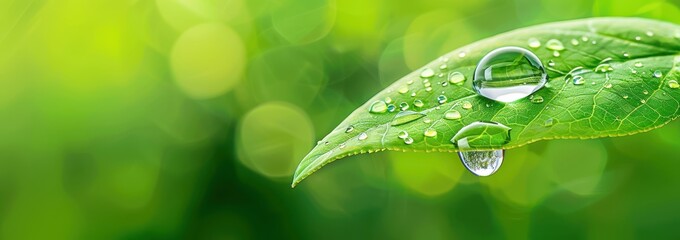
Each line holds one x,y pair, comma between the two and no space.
362,136
403,134
534,43
456,78
378,107
349,129
430,132
467,105
638,64
548,122
403,106
408,140
508,74
554,44
673,84
574,42
391,108
578,80
551,63
403,89
608,85
603,68
481,135
418,103
657,74
441,99
427,73
537,99
406,117
453,114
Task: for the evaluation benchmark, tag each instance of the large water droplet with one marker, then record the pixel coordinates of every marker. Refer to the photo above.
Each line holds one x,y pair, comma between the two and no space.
482,163
508,74
554,44
456,78
378,107
427,73
406,117
453,114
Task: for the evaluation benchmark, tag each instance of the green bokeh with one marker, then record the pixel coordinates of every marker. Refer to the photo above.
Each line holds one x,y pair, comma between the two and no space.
140,119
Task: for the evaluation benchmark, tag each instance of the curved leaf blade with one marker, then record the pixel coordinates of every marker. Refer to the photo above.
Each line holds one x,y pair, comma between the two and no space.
627,100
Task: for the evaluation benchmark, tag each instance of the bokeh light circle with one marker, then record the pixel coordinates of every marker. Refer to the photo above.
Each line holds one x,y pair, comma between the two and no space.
273,138
208,60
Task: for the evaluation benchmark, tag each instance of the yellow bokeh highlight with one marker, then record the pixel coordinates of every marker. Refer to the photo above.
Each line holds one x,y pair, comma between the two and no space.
208,60
273,137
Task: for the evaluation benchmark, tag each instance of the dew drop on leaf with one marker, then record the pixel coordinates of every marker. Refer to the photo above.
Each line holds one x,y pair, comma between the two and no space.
427,73
378,107
638,64
349,129
534,43
508,74
456,78
467,105
453,115
673,84
403,106
537,99
579,80
441,99
418,103
430,132
403,135
554,44
657,74
408,140
362,136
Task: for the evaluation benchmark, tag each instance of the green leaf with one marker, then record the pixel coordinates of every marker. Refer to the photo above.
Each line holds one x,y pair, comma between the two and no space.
625,100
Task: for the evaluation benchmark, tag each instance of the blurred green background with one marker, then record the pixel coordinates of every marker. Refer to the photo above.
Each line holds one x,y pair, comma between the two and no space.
184,119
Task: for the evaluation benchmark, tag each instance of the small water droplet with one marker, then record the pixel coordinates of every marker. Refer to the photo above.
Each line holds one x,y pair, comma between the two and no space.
413,94
349,129
430,132
456,78
673,84
638,38
378,107
593,42
534,43
408,140
462,54
608,85
441,99
427,84
440,75
657,74
467,105
645,92
391,108
428,89
584,38
554,44
574,42
633,71
650,33
403,106
606,60
453,115
403,89
551,63
625,54
403,134
549,122
537,99
643,101
418,103
638,64
508,74
362,136
406,117
427,120
603,68
578,80
427,73
443,66
556,54
341,146
409,82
